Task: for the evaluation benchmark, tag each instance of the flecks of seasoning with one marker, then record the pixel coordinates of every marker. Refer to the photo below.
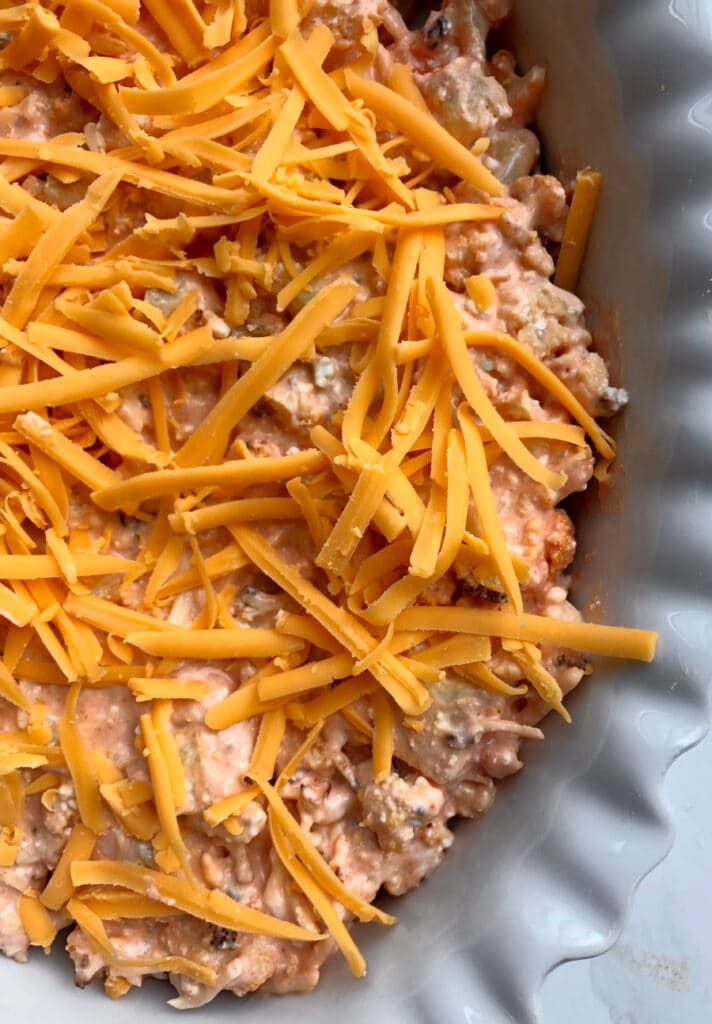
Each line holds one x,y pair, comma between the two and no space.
573,661
222,938
436,31
667,972
484,593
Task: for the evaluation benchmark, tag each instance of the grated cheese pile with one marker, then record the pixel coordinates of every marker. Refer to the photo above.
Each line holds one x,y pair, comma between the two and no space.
239,128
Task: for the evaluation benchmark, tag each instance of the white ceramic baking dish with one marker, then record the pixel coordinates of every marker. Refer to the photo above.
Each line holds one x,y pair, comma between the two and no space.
548,874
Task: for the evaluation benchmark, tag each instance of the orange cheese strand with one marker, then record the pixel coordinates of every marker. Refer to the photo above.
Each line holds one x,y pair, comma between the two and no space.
63,451
182,24
271,151
209,905
217,813
86,788
339,698
405,689
269,738
541,373
91,924
424,132
59,888
383,742
449,327
36,921
152,178
374,478
400,280
176,642
578,223
163,795
311,676
55,243
319,900
98,381
192,97
405,590
233,475
610,641
487,511
315,863
208,441
283,16
9,688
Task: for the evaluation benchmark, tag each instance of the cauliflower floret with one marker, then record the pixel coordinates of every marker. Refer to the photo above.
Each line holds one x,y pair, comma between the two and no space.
397,810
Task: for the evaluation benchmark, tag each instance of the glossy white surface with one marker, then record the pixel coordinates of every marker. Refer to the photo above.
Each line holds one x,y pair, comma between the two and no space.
548,876
659,970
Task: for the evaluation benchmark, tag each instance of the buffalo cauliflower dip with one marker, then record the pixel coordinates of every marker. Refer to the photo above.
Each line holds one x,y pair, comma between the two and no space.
292,386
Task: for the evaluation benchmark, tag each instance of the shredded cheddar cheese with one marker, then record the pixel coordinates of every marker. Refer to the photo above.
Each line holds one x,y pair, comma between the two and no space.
164,793
59,889
316,896
573,244
85,783
36,921
91,924
313,860
250,461
207,905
